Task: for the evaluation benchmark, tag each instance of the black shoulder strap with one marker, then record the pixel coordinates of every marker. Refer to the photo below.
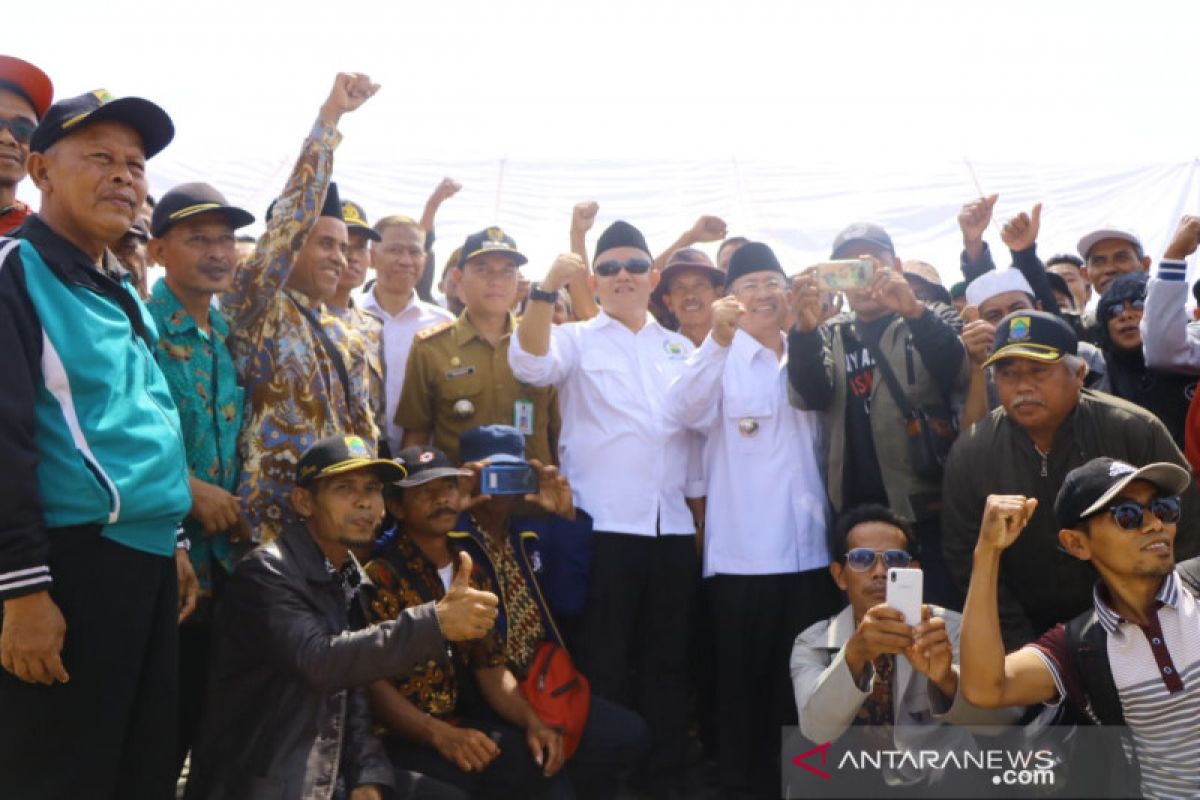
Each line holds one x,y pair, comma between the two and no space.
1087,641
330,349
1189,574
889,377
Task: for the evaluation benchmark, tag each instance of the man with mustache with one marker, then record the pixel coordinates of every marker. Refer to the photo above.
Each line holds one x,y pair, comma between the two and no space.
1129,658
765,549
25,94
458,376
286,714
1047,425
486,741
96,484
194,241
302,381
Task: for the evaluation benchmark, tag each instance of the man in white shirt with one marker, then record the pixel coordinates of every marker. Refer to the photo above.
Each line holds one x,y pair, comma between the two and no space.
765,547
399,261
628,464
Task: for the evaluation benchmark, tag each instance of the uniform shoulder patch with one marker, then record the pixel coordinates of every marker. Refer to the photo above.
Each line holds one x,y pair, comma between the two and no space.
434,330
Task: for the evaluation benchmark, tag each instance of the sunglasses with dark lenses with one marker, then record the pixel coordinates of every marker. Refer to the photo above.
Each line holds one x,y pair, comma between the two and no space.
861,559
20,128
634,266
1117,309
1129,515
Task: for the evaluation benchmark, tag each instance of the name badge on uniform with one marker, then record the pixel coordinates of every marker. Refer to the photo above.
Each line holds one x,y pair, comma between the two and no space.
523,417
460,372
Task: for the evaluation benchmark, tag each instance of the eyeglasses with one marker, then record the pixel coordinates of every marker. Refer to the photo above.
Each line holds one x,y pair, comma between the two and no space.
1129,515
1117,309
861,559
634,266
770,285
20,128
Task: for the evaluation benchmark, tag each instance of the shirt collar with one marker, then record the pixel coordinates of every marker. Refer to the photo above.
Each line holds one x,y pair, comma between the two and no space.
465,330
747,348
1168,595
176,318
371,303
68,261
602,319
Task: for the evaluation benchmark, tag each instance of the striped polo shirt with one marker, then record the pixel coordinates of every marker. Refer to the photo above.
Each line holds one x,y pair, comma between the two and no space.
1156,669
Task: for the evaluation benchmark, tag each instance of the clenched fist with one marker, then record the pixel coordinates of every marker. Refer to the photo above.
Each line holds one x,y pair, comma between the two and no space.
726,312
350,90
566,268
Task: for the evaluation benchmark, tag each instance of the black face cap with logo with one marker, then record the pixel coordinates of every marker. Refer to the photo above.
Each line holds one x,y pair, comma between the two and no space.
356,220
490,240
75,113
336,455
425,464
1033,335
1090,488
189,199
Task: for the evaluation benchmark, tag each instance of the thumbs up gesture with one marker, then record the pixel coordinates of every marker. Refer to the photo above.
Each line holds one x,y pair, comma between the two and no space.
465,613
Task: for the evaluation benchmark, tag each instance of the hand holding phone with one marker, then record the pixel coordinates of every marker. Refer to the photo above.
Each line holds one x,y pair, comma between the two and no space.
508,479
846,273
905,587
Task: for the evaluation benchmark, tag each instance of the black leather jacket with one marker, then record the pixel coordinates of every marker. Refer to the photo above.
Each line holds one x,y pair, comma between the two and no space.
286,709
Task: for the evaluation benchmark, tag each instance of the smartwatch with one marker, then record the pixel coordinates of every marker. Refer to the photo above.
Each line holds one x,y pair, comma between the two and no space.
536,292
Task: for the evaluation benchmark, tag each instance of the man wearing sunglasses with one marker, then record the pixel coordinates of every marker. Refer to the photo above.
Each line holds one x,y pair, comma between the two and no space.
1048,425
628,464
865,667
765,550
25,95
1129,658
1165,394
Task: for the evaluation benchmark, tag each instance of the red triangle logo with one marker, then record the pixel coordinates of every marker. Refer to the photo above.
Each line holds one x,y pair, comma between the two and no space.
823,749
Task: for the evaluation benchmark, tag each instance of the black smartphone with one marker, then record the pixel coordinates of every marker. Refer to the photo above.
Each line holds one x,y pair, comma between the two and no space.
508,479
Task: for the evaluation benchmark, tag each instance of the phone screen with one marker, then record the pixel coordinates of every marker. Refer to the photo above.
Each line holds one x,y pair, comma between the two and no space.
508,479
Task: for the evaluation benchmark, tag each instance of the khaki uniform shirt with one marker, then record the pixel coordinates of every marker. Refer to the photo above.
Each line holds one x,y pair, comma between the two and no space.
455,381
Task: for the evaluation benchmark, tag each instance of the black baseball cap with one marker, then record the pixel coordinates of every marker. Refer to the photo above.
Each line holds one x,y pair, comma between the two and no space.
67,116
490,240
425,464
356,220
861,232
187,200
28,81
1088,489
335,455
1033,335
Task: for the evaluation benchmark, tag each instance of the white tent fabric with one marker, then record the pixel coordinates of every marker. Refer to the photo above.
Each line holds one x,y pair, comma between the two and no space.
796,207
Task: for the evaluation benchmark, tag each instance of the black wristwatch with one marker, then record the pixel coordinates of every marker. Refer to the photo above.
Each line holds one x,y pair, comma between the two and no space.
537,293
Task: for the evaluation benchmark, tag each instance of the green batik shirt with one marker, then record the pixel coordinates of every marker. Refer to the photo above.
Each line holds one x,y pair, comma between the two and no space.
203,382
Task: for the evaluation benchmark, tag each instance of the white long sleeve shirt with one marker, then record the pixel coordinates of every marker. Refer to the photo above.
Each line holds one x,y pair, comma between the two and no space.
398,332
627,463
1170,340
767,511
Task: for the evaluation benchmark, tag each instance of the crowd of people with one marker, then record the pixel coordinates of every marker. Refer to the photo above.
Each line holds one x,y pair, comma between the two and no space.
283,523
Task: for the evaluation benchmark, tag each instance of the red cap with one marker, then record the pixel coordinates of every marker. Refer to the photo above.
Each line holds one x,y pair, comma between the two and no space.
28,80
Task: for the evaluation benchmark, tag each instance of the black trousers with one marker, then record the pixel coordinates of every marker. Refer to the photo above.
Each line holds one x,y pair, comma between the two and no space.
512,775
109,732
756,619
636,639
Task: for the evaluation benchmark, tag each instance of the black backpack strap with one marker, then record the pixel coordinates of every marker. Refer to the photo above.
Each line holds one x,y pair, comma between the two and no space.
889,377
327,344
1087,641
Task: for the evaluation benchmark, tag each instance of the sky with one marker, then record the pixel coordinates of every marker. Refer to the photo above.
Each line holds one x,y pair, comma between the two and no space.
862,91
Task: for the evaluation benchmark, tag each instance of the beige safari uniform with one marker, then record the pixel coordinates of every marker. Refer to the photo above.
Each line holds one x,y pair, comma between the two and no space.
455,381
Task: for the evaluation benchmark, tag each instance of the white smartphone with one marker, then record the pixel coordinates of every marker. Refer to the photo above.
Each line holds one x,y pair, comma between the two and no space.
905,588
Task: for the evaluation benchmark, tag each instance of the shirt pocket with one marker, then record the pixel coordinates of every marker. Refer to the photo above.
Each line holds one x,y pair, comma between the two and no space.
614,378
463,387
747,415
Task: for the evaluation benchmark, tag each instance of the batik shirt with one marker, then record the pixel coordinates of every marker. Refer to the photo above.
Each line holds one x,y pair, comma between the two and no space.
294,394
403,577
203,382
366,345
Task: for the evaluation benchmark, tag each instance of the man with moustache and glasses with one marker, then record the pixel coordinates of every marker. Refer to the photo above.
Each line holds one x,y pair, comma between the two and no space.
1047,425
193,229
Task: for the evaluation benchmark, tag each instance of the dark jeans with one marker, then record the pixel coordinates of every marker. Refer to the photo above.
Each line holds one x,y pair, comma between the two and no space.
756,619
109,732
636,639
512,775
614,738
